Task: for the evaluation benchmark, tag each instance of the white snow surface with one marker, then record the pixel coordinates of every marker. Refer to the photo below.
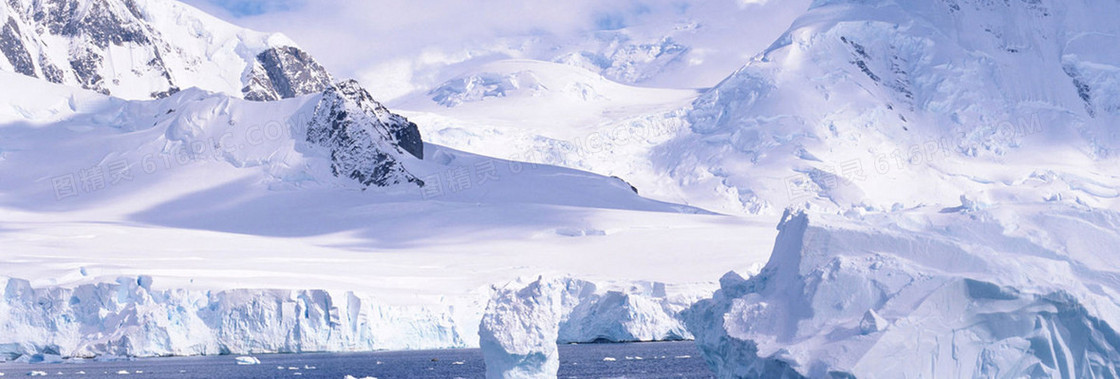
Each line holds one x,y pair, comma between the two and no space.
869,105
220,203
1026,291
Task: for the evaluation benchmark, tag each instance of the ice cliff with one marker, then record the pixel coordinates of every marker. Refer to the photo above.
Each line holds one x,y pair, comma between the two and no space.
130,318
994,293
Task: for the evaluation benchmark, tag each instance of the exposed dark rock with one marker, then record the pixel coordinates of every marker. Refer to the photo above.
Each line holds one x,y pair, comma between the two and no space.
163,94
85,66
1083,90
98,22
293,72
50,72
11,44
365,140
258,86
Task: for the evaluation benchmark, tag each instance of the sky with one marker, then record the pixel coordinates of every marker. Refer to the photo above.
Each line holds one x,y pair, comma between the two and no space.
402,46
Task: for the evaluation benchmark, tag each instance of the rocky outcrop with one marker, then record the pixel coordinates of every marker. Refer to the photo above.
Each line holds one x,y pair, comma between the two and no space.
290,72
364,140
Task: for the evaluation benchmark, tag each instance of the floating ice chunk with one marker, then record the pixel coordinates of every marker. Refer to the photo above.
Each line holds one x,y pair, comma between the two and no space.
518,332
247,360
111,358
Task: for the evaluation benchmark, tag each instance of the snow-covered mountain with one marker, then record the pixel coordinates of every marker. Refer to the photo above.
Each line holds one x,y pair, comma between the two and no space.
220,193
142,49
854,102
884,102
958,162
155,48
325,204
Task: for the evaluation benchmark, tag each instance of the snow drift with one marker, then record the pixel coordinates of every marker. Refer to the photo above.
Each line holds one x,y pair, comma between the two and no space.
1025,292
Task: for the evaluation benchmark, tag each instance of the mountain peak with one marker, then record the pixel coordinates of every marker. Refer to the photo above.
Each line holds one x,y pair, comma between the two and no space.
142,49
366,142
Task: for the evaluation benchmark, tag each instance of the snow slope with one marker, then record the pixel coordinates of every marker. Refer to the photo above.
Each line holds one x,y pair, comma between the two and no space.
142,49
556,114
205,193
1012,291
857,100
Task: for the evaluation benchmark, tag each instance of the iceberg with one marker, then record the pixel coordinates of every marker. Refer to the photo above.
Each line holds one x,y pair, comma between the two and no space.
524,322
248,360
1011,291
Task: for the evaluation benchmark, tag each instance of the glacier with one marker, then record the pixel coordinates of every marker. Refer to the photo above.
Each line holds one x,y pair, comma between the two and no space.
129,318
1024,291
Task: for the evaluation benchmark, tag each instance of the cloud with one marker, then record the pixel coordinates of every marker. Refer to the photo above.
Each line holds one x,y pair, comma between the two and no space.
376,40
745,3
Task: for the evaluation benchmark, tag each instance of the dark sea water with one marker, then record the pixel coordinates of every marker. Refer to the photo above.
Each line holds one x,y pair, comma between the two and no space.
630,360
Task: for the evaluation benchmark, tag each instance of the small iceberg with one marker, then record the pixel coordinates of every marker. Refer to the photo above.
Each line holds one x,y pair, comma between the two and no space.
247,360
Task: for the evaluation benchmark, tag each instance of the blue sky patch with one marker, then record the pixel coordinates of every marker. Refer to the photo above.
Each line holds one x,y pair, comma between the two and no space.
243,8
